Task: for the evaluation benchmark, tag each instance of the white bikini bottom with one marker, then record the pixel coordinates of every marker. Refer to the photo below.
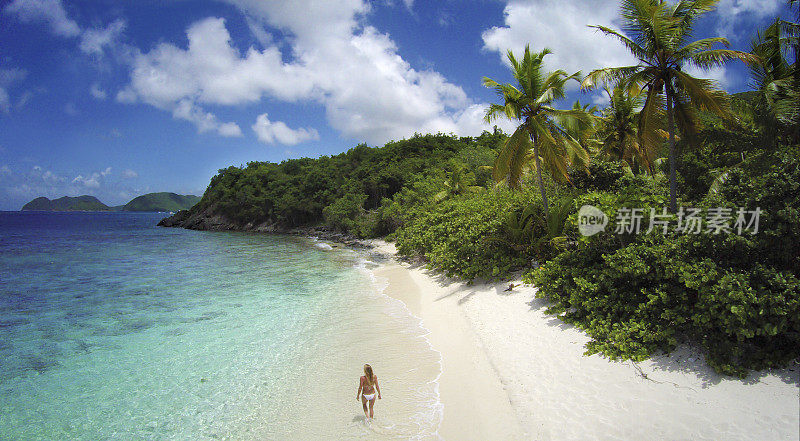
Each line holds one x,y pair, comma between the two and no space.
369,397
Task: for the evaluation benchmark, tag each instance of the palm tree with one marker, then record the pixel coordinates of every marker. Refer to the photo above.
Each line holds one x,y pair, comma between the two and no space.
458,182
581,129
530,101
618,130
660,34
793,95
771,79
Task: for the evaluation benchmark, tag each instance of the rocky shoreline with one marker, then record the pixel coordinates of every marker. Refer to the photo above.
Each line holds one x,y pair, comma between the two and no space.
207,221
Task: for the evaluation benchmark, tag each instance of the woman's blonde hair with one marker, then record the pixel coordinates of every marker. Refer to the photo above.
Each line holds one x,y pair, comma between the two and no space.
369,375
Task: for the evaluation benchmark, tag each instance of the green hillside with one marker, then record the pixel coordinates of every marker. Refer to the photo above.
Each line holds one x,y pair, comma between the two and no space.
161,202
66,203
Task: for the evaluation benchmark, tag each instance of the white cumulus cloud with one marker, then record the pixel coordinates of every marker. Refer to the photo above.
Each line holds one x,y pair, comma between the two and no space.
564,28
229,129
5,101
50,11
270,132
205,121
735,13
718,74
329,57
40,175
126,96
94,41
577,47
7,78
91,181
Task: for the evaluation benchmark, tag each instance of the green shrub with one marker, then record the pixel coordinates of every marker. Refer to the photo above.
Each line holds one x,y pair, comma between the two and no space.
341,215
644,298
452,236
737,296
603,175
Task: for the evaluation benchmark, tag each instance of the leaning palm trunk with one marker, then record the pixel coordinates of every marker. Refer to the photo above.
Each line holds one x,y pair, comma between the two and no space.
539,173
673,190
795,121
796,87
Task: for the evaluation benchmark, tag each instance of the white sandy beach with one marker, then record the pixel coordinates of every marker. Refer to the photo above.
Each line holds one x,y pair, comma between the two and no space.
511,372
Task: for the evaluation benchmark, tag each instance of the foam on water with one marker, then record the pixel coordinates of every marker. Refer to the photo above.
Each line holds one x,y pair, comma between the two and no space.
428,417
111,328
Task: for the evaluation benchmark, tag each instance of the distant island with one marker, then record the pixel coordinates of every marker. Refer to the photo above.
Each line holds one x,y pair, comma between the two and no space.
162,201
80,203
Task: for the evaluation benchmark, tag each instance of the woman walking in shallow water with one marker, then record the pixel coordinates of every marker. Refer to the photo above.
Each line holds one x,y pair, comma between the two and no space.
368,385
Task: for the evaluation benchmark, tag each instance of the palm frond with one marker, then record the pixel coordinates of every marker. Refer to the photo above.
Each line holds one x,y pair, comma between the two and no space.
632,46
718,57
700,46
719,180
687,12
511,159
608,75
703,93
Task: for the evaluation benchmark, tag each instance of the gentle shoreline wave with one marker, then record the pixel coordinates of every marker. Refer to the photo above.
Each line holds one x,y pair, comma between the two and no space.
116,326
381,283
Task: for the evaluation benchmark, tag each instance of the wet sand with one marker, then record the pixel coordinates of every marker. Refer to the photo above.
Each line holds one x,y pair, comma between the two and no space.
511,372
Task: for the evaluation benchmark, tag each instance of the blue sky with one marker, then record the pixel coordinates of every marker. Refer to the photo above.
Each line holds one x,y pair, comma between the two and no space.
120,98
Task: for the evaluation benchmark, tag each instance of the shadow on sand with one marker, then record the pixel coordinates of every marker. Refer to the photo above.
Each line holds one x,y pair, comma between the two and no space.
686,359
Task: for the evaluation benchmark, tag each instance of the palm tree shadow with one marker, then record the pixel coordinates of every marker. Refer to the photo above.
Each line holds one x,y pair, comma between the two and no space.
466,298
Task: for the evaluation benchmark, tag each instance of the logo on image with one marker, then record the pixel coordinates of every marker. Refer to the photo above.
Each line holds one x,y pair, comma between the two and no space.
591,220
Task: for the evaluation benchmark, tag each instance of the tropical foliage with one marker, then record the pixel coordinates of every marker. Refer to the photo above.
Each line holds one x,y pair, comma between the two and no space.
658,34
733,294
530,102
618,131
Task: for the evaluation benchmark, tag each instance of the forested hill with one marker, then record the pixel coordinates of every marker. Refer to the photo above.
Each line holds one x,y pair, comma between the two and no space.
336,189
147,202
80,203
161,202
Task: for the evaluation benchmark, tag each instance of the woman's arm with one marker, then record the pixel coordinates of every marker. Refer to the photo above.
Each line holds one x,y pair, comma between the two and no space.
360,384
378,388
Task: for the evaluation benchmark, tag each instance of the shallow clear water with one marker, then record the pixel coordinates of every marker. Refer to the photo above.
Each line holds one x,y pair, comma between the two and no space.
112,328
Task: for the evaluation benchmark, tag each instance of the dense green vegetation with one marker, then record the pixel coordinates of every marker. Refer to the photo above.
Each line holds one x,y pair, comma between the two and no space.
80,203
161,202
486,207
350,191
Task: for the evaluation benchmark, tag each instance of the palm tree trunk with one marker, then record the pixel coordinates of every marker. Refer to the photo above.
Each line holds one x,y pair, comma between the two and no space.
796,86
673,190
795,31
539,174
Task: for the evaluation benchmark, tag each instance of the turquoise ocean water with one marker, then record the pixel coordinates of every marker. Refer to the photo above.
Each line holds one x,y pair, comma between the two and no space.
114,329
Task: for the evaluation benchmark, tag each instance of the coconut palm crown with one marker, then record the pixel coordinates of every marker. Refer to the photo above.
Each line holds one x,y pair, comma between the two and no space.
530,101
658,33
618,130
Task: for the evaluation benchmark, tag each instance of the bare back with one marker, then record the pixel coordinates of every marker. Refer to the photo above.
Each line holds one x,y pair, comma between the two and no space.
367,388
